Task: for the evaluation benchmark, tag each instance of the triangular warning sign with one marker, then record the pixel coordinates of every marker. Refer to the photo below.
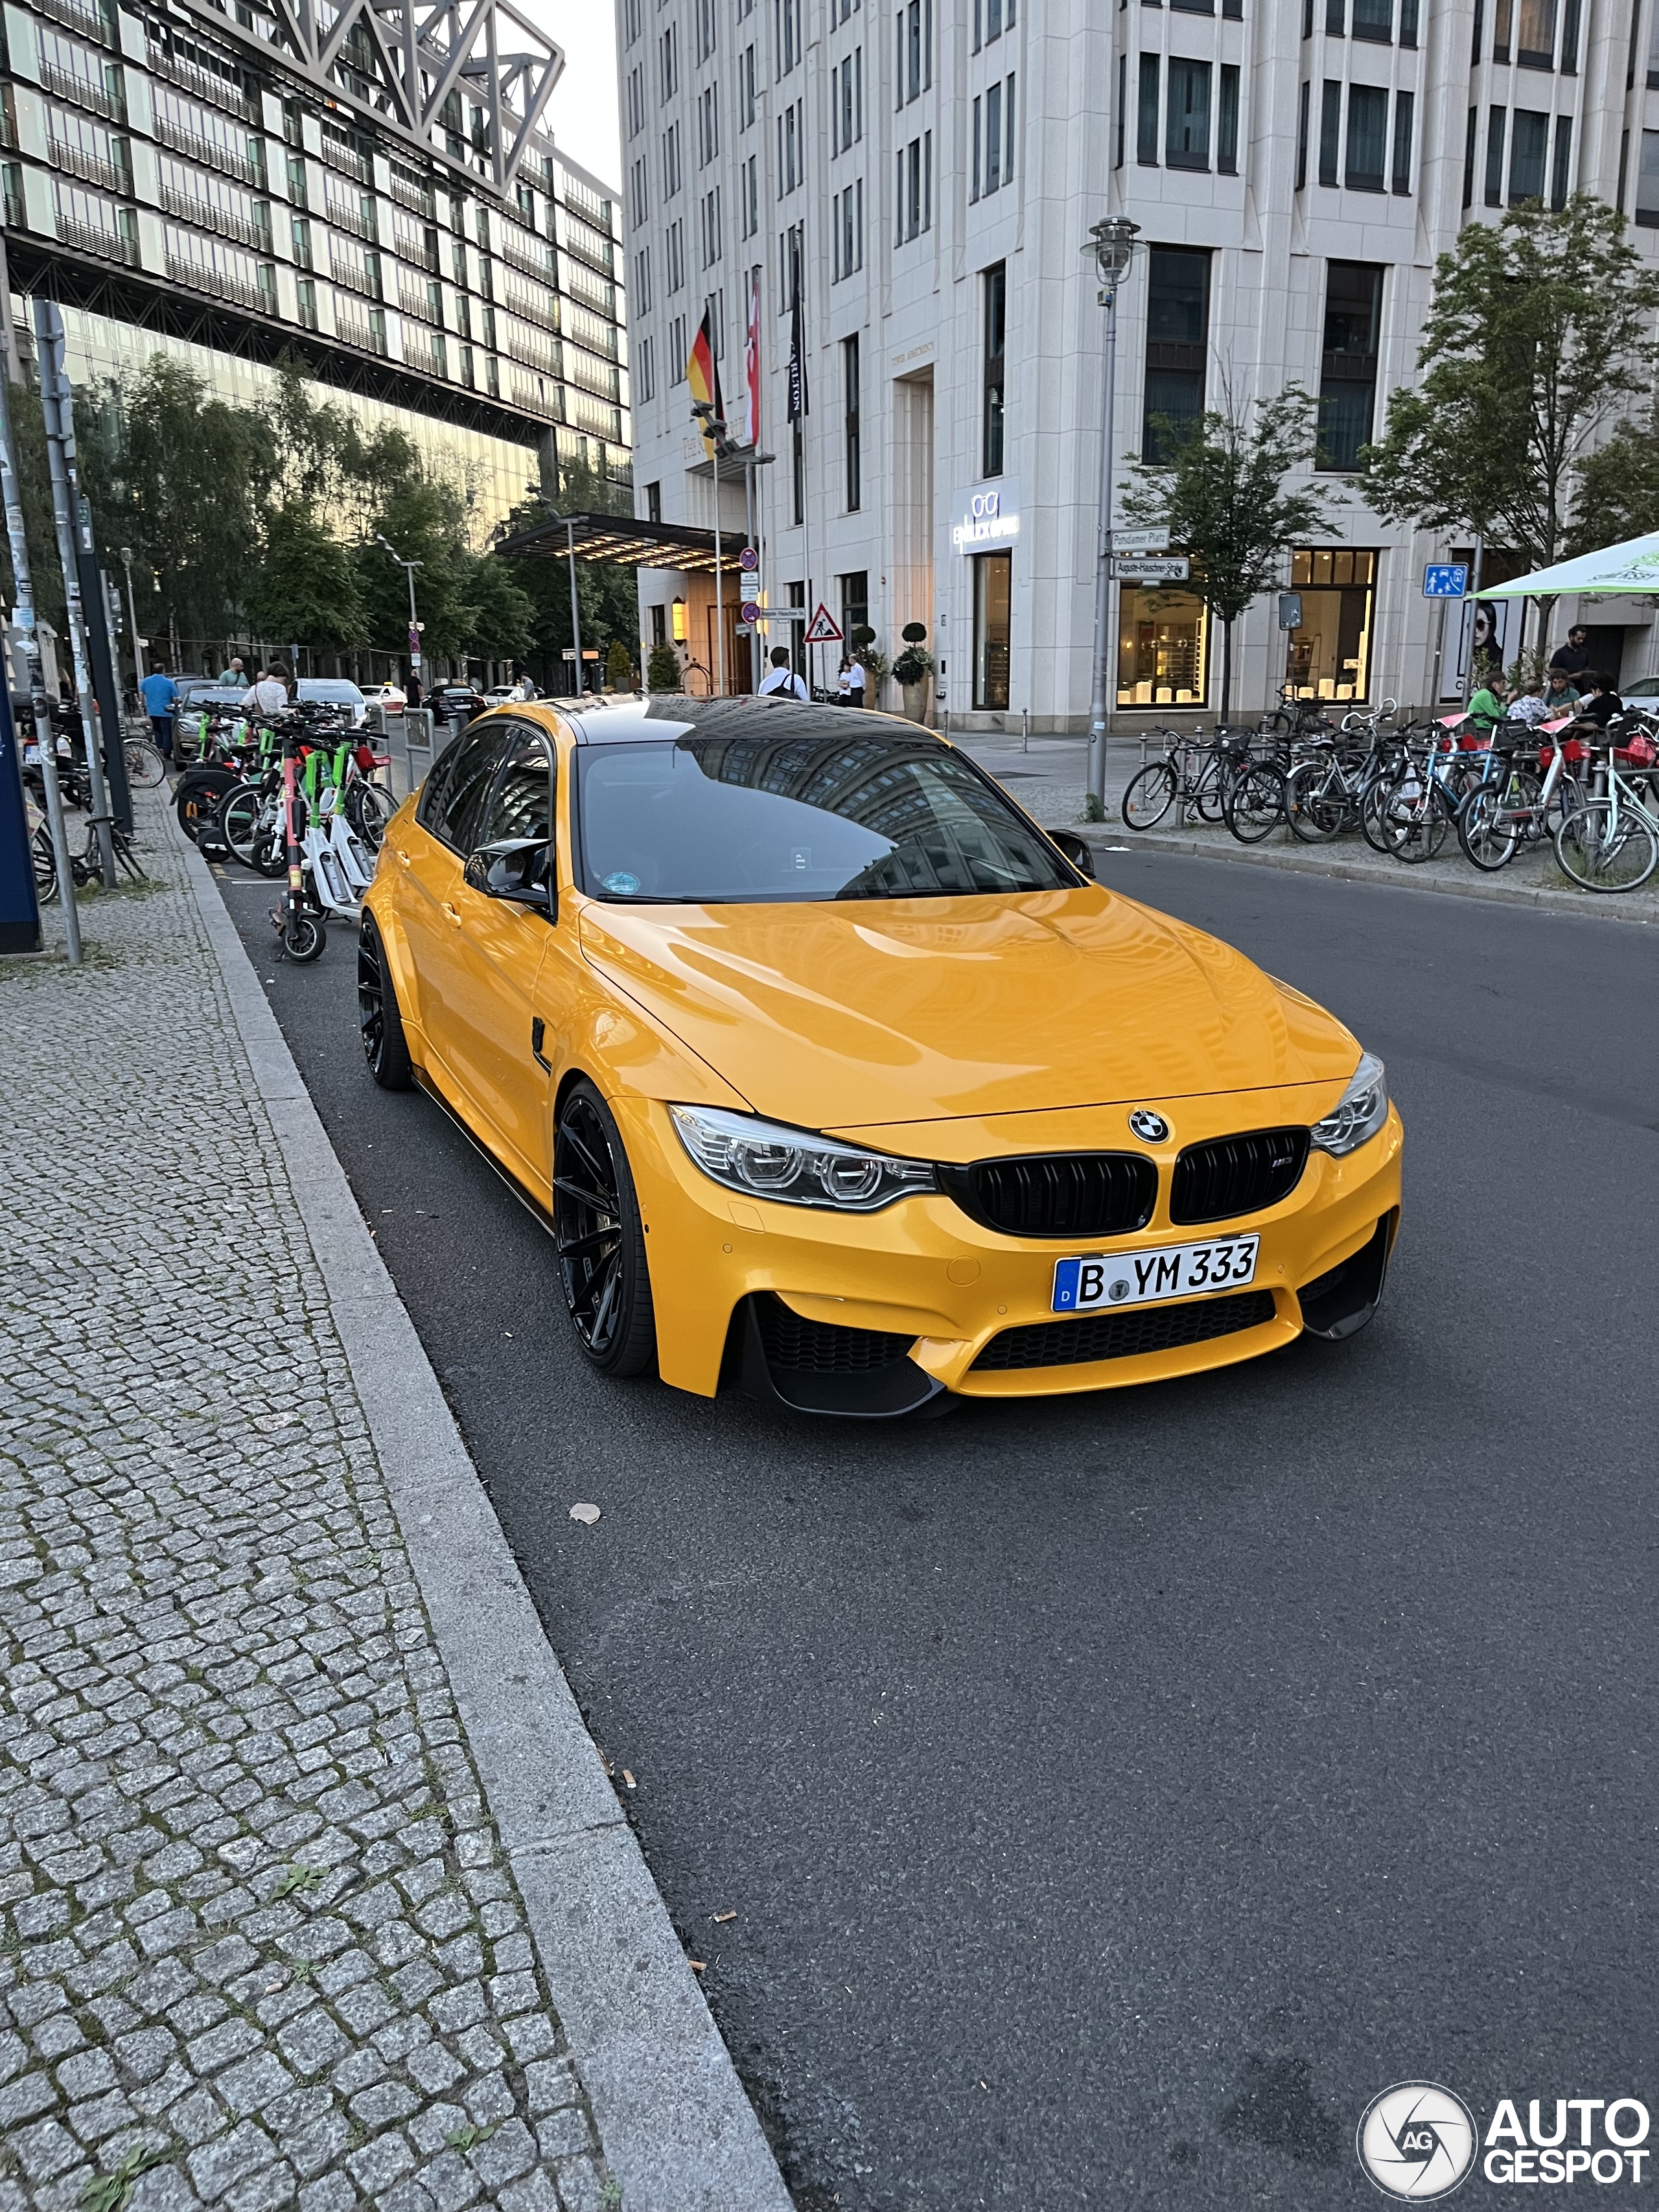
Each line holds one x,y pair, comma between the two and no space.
823,630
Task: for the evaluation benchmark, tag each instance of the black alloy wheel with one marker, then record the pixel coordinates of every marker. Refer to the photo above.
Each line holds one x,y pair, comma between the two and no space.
385,1046
601,1240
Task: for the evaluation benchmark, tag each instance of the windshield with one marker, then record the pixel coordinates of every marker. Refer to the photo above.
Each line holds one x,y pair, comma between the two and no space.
752,803
332,690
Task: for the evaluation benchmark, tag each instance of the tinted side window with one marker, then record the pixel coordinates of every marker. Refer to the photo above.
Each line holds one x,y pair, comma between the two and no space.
455,789
520,804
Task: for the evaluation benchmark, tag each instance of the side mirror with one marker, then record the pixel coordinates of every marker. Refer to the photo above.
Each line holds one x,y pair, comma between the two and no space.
1078,850
516,869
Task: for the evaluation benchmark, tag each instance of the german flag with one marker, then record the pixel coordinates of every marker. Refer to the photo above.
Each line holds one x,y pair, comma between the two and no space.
702,372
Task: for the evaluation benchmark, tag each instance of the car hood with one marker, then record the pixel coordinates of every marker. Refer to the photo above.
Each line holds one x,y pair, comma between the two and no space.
829,1016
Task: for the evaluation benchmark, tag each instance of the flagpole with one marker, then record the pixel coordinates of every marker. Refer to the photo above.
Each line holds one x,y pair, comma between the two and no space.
720,602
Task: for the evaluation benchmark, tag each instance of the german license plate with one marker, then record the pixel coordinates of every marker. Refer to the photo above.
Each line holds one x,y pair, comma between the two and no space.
1133,1279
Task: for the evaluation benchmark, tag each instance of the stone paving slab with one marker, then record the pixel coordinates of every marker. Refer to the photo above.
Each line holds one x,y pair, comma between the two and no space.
263,1939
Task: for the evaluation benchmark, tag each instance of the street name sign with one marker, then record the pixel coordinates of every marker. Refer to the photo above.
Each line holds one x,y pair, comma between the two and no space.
1152,568
1139,541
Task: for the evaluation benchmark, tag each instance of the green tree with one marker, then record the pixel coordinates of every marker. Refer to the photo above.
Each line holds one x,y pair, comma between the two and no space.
502,626
619,666
305,590
1617,492
1221,493
662,671
1539,330
422,520
607,594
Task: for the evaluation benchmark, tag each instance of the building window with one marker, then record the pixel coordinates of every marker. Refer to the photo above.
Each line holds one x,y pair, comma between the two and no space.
993,148
1528,143
674,245
1471,140
786,34
1561,168
1118,121
1226,121
792,149
1536,48
1373,20
1404,107
1186,116
1330,131
1161,640
849,391
993,579
711,228
708,124
635,101
847,102
749,195
641,300
746,88
1647,182
996,287
1368,135
640,209
654,514
1347,382
915,50
668,63
678,355
1496,121
991,19
1177,345
1303,101
847,219
915,187
1146,120
1502,20
1328,658
671,161
856,607
646,379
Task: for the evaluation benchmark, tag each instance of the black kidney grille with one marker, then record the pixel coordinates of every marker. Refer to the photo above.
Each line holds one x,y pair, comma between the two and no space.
1126,1335
1057,1193
821,1347
1237,1174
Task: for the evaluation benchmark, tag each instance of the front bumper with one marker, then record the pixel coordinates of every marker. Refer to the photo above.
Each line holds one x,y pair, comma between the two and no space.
923,1270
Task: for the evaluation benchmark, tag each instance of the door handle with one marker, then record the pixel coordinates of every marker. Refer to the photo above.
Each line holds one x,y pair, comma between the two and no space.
403,857
453,913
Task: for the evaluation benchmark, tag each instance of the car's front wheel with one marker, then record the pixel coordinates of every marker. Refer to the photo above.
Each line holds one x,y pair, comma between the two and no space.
600,1238
385,1046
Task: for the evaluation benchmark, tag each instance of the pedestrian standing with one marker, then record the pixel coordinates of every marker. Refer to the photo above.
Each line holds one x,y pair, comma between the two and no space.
1572,659
854,681
161,698
268,695
781,681
235,674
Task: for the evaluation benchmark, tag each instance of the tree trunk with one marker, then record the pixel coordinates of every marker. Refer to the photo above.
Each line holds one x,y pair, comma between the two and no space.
1226,668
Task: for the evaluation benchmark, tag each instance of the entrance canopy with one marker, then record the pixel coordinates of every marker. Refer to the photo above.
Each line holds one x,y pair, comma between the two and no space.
628,544
1631,567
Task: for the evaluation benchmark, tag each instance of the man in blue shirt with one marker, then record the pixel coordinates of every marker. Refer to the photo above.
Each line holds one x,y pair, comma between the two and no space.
161,698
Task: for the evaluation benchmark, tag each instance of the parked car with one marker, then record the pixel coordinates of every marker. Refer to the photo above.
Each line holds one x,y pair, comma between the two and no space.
1645,687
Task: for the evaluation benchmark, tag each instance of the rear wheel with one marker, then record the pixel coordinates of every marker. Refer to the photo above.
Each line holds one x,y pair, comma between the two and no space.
601,1243
368,809
303,937
45,856
1414,819
145,766
238,820
1255,805
1315,804
1150,795
385,1046
1490,821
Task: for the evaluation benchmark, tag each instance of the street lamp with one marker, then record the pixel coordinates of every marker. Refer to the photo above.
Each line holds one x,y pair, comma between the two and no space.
132,612
1112,242
408,568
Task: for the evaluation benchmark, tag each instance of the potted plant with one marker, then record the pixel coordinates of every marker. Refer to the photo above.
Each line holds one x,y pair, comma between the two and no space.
876,666
662,671
618,667
912,670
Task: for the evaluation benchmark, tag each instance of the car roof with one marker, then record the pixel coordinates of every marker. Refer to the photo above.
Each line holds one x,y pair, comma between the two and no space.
671,714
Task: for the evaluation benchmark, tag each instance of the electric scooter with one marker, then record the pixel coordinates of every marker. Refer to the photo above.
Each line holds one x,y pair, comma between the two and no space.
301,933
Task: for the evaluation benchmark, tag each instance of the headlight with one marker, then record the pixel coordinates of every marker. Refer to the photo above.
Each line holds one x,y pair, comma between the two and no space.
763,1159
1359,1112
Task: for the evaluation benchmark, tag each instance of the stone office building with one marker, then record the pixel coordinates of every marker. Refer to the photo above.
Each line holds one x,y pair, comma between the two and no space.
928,174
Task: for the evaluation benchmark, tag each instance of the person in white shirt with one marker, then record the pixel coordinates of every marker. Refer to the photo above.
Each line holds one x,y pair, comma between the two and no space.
852,692
782,678
268,695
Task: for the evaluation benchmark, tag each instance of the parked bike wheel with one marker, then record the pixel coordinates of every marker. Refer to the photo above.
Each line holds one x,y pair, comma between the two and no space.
369,810
1488,825
238,820
1255,805
1209,801
596,1226
1414,819
46,866
1314,808
303,937
1150,795
1604,852
146,770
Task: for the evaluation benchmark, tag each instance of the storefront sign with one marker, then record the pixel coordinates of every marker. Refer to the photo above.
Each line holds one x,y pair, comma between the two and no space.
986,518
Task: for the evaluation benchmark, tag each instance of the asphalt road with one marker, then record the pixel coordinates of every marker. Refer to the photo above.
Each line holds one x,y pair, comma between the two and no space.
1115,1793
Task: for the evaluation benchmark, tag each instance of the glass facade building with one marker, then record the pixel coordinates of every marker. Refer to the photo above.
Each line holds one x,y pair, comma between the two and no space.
377,199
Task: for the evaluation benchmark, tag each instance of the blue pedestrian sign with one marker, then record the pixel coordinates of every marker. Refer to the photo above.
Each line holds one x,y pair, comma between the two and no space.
1445,581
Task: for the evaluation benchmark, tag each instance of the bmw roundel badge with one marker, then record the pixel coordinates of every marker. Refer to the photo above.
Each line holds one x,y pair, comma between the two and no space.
1151,1128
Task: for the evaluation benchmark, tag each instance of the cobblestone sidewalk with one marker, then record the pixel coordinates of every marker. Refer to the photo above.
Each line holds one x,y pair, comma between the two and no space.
258,1943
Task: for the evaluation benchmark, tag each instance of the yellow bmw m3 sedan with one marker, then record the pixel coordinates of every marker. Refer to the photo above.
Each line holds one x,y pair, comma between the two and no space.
835,1077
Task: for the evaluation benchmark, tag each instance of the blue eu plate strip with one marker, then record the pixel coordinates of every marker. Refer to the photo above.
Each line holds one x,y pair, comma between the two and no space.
1066,1279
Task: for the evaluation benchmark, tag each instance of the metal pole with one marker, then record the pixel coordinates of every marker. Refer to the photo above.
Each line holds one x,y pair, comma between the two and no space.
575,616
1105,679
132,616
24,614
720,599
55,406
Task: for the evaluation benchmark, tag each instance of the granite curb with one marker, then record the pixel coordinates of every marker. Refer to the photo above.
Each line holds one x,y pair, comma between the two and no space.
678,2131
1630,909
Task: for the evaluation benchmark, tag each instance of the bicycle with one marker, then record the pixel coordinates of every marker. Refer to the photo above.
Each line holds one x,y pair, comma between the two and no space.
1611,844
146,765
1201,790
87,865
1511,806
